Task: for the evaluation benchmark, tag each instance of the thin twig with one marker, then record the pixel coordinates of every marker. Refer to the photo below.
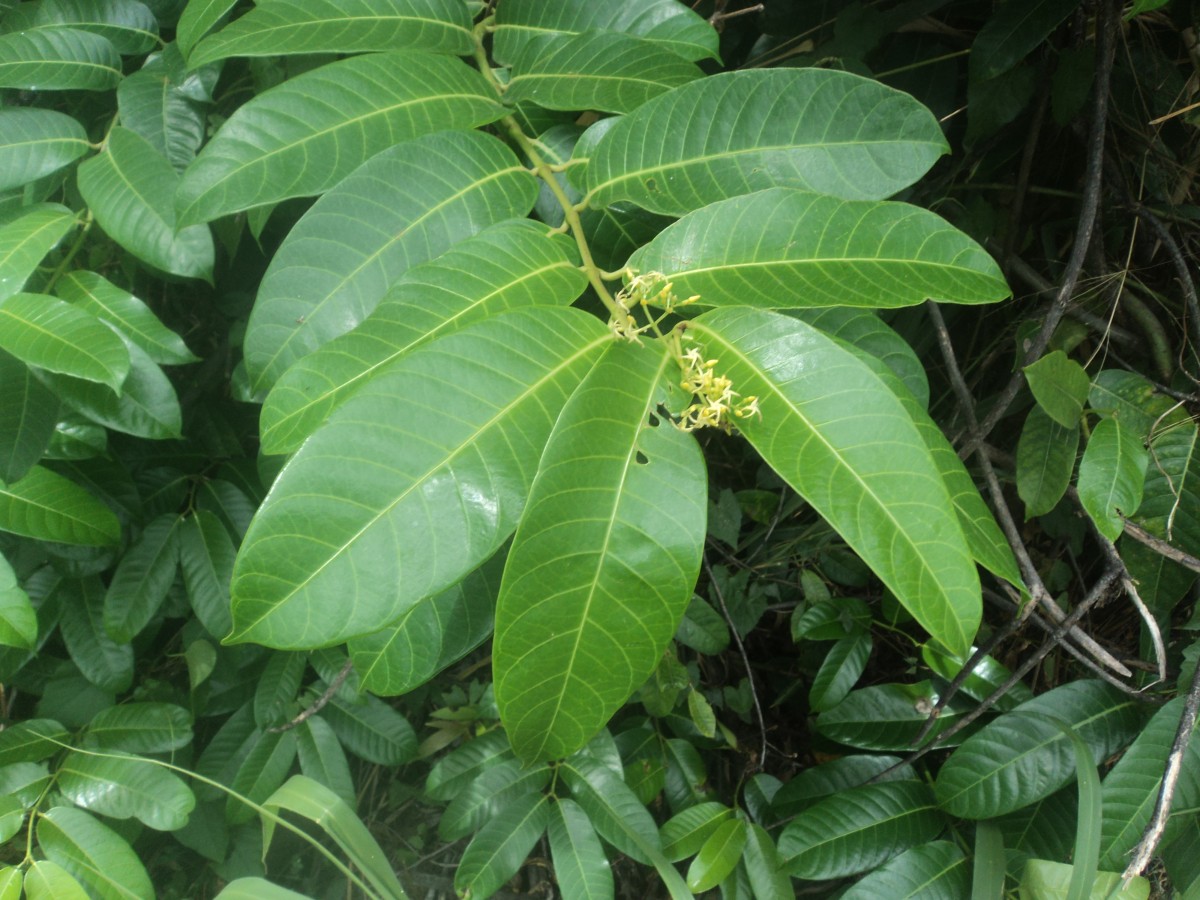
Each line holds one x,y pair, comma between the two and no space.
1158,545
317,705
1160,652
737,638
960,679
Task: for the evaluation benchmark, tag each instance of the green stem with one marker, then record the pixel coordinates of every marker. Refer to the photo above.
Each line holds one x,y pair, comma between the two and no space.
76,246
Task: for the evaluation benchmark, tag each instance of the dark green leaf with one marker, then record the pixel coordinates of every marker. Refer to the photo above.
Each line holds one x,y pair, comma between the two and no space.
936,871
685,833
36,142
103,661
496,787
839,672
140,583
262,770
31,741
18,620
128,24
500,847
277,688
55,59
1060,386
1045,460
580,867
833,777
453,772
28,413
198,19
93,853
1012,32
206,556
372,731
717,858
323,760
25,240
123,787
141,728
886,716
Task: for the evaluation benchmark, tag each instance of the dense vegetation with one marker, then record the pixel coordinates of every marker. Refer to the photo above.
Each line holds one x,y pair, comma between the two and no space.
598,447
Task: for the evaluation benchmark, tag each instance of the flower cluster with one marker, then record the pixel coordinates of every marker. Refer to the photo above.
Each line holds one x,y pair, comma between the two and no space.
714,395
650,289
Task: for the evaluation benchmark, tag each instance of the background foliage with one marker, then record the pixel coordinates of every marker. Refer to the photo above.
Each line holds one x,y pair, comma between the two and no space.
513,447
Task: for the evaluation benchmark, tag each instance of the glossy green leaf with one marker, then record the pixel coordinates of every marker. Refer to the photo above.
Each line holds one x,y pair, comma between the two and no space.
129,188
103,661
28,414
318,804
166,106
833,777
1112,474
1060,385
261,772
501,846
604,561
606,71
935,871
25,782
372,730
281,27
479,801
123,787
717,858
128,24
858,829
31,740
686,832
506,266
323,760
36,142
125,312
18,620
871,475
142,577
1044,879
886,716
439,510
27,239
1020,757
405,206
738,132
142,727
55,336
839,672
49,507
206,555
1045,461
93,853
45,880
310,132
55,59
198,18
1011,33
1130,789
146,407
668,22
987,675
781,248
580,866
768,880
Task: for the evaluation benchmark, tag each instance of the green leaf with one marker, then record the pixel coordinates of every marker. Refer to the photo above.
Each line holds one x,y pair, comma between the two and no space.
198,19
405,206
606,71
372,731
314,801
717,858
479,801
262,770
11,882
1020,757
702,628
987,877
18,620
839,672
277,687
166,106
93,853
870,475
506,266
1130,789
48,507
307,134
739,132
768,880
1060,385
45,880
27,239
128,24
455,771
256,888
1045,460
142,578
686,832
123,787
580,866
858,829
282,27
1112,474
129,188
1047,880
55,336
783,248
501,846
141,728
522,22
31,740
125,312
322,758
612,535
206,555
936,871
25,781
35,143
56,59
834,777
28,415
1014,31
886,716
986,676
1170,505
460,485
104,662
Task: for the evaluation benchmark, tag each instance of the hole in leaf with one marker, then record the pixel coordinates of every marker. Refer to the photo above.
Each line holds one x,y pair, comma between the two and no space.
653,420
641,458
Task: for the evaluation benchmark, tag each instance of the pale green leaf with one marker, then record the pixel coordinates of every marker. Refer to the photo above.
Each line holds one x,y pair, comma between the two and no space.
93,853
499,849
858,829
206,555
104,662
128,24
36,142
668,22
738,132
718,856
200,17
129,188
18,620
53,335
935,871
1060,385
142,578
28,238
45,880
307,134
281,27
11,882
49,507
405,206
1047,880
51,59
783,248
1112,474
124,787
125,312
256,888
28,415
870,475
1045,461
605,559
580,866
686,832
506,266
433,514
606,71
141,728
